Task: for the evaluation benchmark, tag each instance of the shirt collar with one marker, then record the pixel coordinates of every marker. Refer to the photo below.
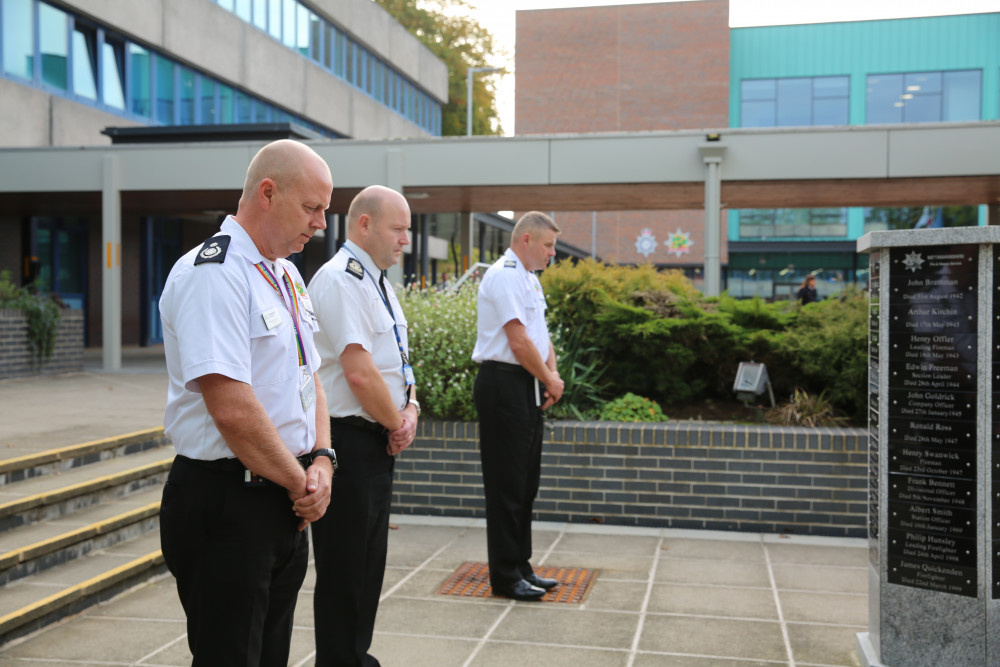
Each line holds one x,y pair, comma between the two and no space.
244,244
510,254
363,257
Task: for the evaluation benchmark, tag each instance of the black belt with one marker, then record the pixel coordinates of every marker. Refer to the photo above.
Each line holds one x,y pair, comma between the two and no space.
357,421
234,465
507,368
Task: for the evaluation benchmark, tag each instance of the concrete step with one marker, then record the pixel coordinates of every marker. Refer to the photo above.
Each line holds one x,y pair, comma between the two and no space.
78,525
58,495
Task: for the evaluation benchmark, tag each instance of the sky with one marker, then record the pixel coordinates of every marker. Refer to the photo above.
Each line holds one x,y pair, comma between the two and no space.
498,17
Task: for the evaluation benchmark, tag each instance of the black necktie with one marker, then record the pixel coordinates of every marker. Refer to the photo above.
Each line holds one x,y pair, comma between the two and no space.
385,295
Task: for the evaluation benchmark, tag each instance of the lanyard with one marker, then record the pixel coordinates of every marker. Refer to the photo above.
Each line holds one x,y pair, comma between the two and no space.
388,308
273,282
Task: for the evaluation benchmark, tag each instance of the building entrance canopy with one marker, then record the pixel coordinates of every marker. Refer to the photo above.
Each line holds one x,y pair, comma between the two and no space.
894,165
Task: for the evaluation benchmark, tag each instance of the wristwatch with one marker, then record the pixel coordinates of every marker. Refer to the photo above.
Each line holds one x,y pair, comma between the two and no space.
415,404
328,453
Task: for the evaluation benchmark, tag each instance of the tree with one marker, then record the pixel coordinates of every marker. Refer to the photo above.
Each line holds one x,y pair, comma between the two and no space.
445,27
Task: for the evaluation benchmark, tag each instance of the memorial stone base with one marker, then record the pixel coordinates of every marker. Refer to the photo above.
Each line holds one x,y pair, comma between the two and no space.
934,448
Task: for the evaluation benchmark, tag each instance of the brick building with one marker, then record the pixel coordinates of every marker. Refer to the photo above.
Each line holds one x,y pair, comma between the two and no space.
626,68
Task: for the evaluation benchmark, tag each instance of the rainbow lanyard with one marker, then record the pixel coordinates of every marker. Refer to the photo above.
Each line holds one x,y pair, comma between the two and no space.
273,282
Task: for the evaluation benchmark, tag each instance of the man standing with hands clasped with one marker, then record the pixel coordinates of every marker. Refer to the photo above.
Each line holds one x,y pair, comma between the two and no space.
373,410
517,380
253,464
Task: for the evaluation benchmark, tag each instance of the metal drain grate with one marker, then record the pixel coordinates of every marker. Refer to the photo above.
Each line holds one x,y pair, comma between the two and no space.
473,580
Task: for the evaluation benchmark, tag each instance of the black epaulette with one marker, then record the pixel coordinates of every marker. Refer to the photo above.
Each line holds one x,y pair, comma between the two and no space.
213,250
355,269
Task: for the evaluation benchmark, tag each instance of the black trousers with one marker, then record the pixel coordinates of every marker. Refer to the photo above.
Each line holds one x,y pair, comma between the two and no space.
350,544
239,561
510,446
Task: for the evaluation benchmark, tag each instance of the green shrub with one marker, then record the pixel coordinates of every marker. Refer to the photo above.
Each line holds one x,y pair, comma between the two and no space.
582,372
42,313
632,408
442,334
804,409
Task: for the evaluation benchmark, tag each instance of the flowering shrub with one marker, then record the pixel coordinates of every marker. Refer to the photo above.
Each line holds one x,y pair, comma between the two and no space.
442,333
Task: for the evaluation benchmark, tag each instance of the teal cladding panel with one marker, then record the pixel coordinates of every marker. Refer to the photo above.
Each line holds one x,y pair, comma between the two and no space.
860,48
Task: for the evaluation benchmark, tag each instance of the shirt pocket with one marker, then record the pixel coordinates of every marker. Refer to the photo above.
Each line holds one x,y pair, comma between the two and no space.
273,351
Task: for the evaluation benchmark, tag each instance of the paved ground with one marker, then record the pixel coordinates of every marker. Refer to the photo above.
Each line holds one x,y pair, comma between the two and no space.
661,597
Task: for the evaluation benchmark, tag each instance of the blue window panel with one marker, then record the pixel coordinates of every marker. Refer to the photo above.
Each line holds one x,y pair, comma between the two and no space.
260,111
884,103
53,46
186,96
830,112
288,23
113,73
922,83
757,114
274,18
165,91
18,38
207,109
227,112
794,102
243,110
303,32
831,86
316,45
351,56
757,89
328,49
922,109
260,14
140,80
226,4
962,95
85,62
243,10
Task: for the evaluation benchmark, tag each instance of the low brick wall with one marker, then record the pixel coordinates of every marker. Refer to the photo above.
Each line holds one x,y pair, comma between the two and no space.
15,352
675,475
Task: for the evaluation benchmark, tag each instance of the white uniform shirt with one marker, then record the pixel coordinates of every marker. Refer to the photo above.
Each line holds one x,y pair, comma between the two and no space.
226,318
350,311
509,292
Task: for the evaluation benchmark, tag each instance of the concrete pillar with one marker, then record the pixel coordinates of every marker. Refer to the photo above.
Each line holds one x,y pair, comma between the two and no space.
394,180
111,264
711,154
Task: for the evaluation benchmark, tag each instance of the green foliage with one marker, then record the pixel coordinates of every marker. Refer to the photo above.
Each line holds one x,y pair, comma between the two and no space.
804,409
42,313
445,28
442,333
632,408
581,370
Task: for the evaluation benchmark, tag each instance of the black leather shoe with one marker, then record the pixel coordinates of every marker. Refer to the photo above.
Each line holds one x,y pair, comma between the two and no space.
521,590
541,582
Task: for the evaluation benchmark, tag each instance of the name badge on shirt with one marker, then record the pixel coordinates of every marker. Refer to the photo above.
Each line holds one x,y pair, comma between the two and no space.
272,318
408,374
307,392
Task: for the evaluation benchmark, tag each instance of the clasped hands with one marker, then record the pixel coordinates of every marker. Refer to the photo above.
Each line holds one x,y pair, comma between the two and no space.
312,504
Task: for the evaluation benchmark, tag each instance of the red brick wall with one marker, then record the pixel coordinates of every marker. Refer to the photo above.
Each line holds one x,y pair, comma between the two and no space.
625,68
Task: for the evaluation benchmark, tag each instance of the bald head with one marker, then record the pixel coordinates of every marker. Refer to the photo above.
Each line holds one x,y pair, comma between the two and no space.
377,221
284,161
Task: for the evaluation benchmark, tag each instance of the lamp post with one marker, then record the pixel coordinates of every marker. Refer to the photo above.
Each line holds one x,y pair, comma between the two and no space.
468,95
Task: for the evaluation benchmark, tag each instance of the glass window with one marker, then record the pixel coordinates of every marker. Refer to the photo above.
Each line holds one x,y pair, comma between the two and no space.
85,62
962,95
758,89
139,80
164,91
302,30
206,101
316,38
350,74
18,38
922,97
243,109
260,14
186,97
793,222
288,23
920,217
328,55
274,18
339,54
226,4
113,73
794,102
243,9
226,96
53,47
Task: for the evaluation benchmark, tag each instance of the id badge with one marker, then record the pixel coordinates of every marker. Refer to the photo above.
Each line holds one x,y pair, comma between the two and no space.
307,392
408,374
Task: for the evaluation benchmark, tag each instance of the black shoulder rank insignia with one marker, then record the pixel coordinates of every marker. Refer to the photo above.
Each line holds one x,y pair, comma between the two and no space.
510,264
214,250
355,269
